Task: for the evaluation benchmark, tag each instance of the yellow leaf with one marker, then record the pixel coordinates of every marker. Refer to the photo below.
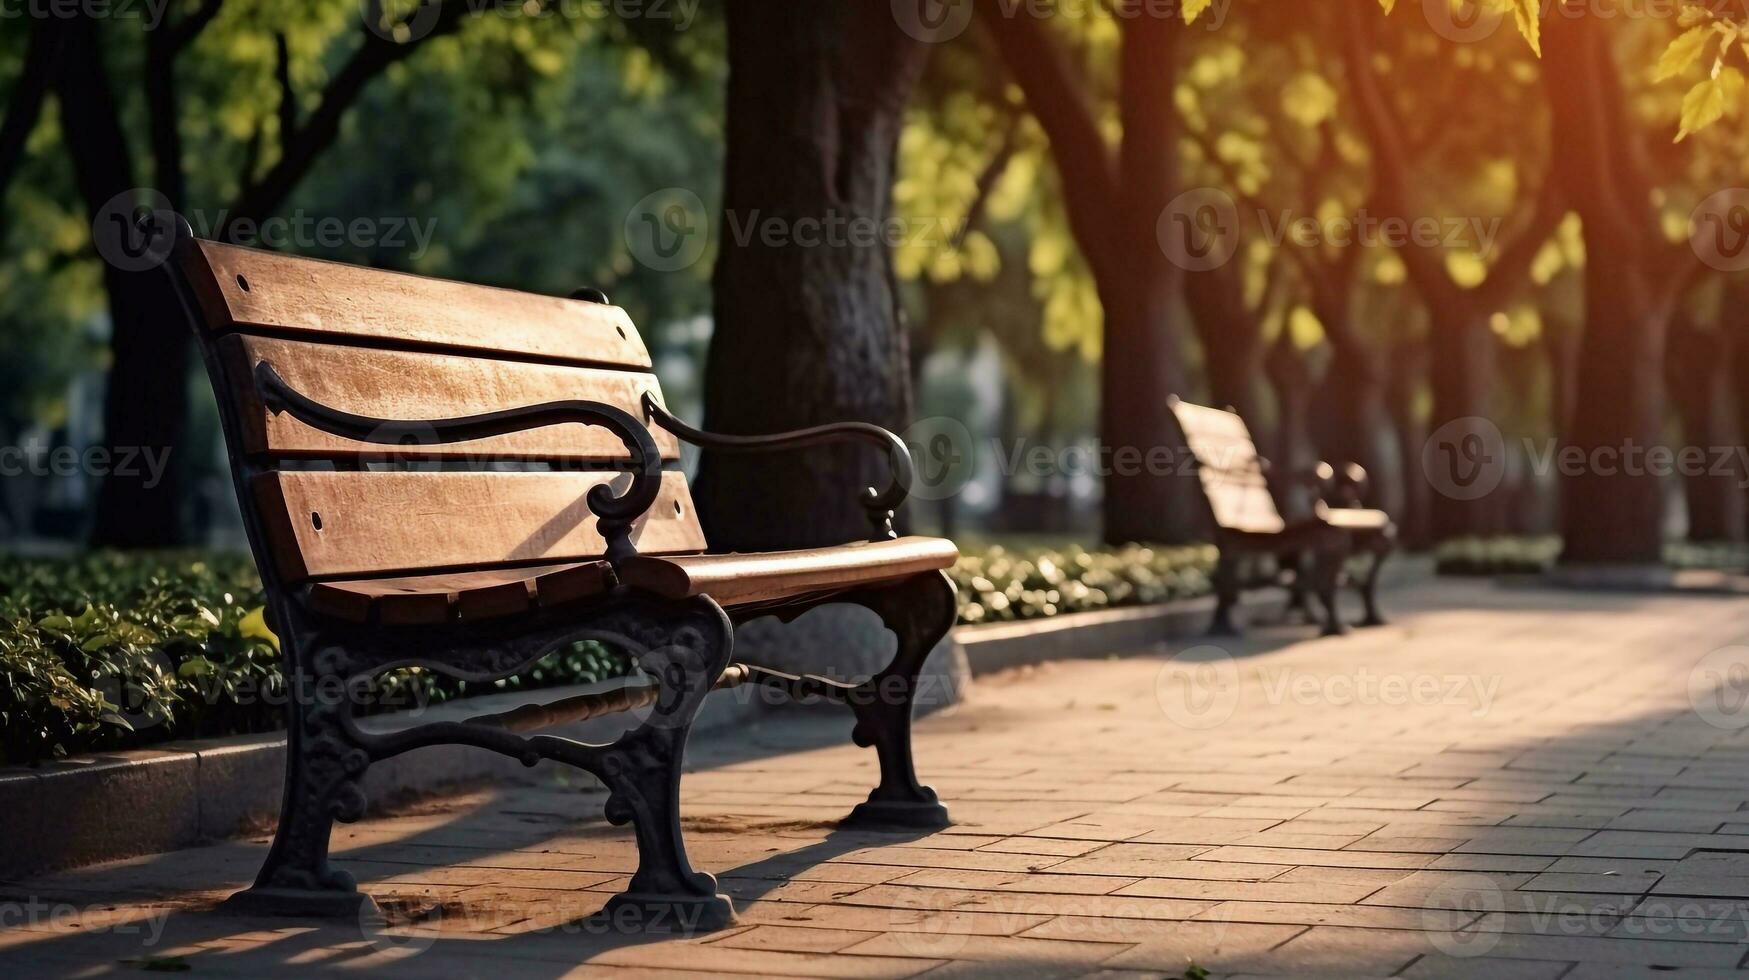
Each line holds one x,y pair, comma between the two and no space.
1194,8
1527,12
1389,5
254,626
1682,53
1707,102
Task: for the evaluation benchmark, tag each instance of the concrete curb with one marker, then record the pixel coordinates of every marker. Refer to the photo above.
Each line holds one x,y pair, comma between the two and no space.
1139,629
123,804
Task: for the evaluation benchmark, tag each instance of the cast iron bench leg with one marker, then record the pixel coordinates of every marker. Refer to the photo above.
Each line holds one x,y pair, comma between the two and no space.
1381,547
642,771
1226,593
919,613
1328,570
323,766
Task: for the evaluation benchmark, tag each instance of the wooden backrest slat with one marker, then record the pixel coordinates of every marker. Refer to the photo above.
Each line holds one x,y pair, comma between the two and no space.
1230,469
403,385
248,288
326,524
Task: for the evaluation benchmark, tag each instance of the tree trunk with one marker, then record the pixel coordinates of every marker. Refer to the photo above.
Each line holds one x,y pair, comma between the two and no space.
146,401
1150,492
1734,314
1232,346
1461,376
1291,448
1352,423
1143,360
1700,368
1402,389
808,324
1612,505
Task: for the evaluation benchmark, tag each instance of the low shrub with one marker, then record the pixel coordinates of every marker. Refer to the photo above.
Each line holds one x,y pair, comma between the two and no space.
1534,555
106,651
999,585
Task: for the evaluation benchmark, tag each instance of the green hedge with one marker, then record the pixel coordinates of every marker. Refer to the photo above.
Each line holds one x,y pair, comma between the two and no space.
107,651
999,585
1533,555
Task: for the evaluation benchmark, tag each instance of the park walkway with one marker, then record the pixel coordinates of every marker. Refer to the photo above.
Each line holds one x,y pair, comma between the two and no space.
1508,783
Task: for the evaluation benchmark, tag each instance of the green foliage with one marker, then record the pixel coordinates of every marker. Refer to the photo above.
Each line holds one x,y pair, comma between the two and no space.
1535,555
1001,585
107,651
1497,556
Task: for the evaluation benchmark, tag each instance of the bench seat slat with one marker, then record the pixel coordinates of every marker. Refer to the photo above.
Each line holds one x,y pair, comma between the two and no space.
467,596
739,579
732,580
374,524
329,301
401,385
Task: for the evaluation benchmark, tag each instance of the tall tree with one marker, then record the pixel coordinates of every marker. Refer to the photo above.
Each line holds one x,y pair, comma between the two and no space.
146,401
1461,343
808,331
1116,199
1633,277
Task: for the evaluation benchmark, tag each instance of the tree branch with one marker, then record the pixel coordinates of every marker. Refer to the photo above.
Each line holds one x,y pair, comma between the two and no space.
41,59
288,97
1057,96
989,177
1390,161
304,146
184,33
1511,270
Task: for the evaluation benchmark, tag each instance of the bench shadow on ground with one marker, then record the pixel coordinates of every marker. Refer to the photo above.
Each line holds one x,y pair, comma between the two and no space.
181,888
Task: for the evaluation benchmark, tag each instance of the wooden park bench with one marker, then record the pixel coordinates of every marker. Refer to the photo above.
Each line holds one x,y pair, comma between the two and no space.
465,479
1313,551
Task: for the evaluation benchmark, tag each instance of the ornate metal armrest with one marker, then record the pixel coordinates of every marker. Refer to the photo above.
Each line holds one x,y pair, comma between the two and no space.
879,504
1343,486
1337,486
614,514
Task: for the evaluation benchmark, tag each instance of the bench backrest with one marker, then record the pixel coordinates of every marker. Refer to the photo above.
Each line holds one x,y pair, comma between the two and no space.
400,347
1233,476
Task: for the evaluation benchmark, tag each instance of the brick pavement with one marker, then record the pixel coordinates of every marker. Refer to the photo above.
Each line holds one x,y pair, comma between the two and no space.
1506,783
